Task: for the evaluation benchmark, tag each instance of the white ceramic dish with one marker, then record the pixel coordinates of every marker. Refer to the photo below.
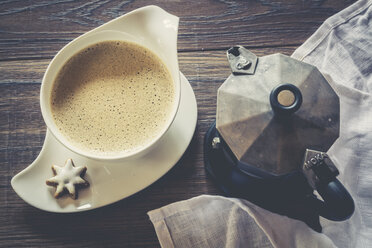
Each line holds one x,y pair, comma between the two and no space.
151,27
114,179
110,181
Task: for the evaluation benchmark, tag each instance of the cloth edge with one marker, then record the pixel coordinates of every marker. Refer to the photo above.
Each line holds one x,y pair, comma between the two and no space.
161,229
157,218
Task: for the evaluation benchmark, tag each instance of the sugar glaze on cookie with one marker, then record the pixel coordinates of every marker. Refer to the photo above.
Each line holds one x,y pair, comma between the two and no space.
67,179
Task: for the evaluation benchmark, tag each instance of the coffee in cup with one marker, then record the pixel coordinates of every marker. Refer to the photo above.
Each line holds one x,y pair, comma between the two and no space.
112,97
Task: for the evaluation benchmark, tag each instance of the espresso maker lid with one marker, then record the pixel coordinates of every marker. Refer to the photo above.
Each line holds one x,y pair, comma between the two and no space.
271,109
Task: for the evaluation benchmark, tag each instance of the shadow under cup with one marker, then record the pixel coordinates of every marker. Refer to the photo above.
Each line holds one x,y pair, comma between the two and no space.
74,47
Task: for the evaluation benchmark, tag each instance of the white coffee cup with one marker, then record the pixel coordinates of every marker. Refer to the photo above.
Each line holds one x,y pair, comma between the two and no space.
159,37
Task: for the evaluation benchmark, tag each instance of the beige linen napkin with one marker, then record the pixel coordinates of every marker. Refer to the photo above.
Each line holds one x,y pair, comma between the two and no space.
216,221
342,50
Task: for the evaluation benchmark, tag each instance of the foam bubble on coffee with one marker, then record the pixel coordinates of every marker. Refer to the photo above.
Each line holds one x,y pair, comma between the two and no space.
112,97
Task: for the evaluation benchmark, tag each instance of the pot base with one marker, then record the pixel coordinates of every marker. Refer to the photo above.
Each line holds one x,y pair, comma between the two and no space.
288,195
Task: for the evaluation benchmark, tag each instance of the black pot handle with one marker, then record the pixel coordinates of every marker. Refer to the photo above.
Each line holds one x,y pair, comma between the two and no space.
339,204
321,175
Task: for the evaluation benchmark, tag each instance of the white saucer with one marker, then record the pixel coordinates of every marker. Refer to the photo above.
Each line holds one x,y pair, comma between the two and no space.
109,181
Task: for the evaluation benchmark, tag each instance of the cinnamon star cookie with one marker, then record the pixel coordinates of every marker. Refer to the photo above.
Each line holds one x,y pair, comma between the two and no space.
67,179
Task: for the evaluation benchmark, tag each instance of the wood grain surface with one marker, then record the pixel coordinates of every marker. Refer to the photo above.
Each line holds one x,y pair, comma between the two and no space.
31,32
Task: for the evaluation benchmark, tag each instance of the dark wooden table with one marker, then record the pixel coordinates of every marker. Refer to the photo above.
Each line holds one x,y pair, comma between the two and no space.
31,33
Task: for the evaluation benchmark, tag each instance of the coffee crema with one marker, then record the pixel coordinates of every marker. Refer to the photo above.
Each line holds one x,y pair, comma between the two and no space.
113,97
